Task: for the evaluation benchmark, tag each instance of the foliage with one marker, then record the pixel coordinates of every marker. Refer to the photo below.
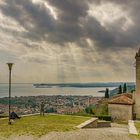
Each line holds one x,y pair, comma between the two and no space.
124,88
40,125
104,117
107,93
20,102
101,109
120,90
130,89
89,109
50,110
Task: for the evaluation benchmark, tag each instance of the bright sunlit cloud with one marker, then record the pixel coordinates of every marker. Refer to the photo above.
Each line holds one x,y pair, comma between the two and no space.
109,13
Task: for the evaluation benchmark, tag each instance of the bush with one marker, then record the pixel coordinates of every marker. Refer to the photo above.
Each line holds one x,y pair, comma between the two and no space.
101,110
89,109
104,117
3,116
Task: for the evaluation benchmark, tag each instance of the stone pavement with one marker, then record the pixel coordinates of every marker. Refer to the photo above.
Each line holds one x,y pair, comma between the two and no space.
116,132
92,134
132,128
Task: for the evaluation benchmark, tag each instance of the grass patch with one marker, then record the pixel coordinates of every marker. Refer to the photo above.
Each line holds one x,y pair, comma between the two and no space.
40,125
121,122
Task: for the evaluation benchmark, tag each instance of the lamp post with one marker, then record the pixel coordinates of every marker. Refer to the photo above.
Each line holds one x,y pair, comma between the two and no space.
10,69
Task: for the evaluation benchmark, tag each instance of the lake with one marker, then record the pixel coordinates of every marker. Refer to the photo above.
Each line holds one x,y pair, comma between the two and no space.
30,90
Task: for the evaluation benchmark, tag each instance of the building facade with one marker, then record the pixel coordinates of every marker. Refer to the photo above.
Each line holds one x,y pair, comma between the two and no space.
120,108
125,108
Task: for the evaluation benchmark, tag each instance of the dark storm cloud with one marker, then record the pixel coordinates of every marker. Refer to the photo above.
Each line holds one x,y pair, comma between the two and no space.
38,21
69,13
70,10
35,18
73,23
98,33
130,37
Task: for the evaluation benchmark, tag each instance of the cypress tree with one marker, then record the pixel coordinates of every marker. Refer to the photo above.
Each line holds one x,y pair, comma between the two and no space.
107,93
120,90
124,88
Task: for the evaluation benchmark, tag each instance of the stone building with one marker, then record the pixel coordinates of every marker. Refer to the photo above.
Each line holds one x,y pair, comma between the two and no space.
120,107
125,106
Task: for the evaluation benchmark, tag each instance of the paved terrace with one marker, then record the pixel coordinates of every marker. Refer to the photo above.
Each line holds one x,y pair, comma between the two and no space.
116,132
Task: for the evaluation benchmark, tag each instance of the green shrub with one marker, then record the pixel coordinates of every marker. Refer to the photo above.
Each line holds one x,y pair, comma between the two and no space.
89,109
101,110
104,117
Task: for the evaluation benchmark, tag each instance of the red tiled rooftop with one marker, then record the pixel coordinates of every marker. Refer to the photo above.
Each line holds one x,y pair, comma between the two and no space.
121,99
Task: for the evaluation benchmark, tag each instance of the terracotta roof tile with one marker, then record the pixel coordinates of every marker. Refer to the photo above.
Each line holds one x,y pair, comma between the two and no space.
121,99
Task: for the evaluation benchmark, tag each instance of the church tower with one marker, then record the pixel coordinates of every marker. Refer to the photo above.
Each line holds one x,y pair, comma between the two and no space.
137,92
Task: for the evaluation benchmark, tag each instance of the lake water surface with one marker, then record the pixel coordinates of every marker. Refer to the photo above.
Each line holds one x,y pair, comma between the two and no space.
30,90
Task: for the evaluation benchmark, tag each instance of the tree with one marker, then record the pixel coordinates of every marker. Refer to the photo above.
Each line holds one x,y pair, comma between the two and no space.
124,88
89,109
107,93
120,90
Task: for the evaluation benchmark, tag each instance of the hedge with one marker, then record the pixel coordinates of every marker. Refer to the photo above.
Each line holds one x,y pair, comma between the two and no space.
104,117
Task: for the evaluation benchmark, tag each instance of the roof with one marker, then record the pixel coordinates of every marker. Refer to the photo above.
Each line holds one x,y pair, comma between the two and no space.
122,99
129,95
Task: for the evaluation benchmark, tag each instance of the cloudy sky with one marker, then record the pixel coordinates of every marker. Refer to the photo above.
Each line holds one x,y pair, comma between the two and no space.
69,40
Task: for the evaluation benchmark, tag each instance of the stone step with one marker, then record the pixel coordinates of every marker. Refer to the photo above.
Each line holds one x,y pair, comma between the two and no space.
102,124
92,123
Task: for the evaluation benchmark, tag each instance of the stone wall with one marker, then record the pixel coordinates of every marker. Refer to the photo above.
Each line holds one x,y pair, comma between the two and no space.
138,75
120,112
92,123
137,93
102,124
137,105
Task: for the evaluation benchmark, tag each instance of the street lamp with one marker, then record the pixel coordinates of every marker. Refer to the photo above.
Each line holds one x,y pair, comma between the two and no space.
10,69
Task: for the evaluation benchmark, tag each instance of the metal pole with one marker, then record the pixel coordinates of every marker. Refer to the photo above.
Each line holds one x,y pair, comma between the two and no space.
10,69
9,95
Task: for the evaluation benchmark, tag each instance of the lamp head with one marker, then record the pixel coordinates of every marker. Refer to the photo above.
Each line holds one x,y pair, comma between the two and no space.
10,65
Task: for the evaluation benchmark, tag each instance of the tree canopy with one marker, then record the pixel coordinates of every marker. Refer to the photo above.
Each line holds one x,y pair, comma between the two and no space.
124,88
120,89
107,93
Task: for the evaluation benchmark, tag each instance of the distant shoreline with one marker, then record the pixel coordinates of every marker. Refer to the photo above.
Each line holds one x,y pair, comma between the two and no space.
74,83
71,89
81,85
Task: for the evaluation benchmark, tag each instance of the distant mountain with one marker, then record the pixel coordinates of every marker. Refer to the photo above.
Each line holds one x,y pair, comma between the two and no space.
130,88
81,85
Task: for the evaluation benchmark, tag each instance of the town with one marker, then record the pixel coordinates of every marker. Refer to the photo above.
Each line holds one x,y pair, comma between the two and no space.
53,104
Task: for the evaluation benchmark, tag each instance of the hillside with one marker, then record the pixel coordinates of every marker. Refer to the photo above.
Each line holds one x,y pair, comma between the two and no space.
129,89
